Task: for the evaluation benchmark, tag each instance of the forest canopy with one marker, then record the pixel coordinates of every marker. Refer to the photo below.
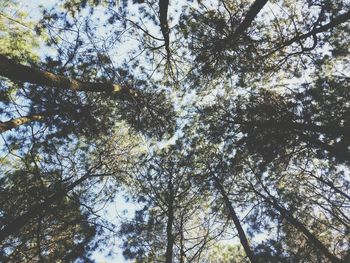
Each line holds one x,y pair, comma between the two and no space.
223,125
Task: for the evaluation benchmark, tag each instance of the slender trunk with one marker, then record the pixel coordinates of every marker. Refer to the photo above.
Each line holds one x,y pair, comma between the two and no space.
16,122
34,211
298,225
182,248
164,26
170,236
334,211
170,222
312,238
15,71
253,11
38,239
241,234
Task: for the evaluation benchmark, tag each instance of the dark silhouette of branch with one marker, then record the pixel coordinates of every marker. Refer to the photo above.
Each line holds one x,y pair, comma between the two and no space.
298,225
164,26
343,18
329,184
253,11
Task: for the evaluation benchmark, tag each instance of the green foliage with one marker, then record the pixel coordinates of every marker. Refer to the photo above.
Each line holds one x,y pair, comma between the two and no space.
225,253
215,135
17,38
62,236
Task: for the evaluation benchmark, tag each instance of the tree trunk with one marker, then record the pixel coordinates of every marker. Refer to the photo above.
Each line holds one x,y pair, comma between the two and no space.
14,123
9,68
164,26
241,234
170,222
253,11
182,245
170,236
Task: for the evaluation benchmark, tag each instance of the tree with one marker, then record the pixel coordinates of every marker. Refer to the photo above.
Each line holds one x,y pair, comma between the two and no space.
58,196
276,127
225,253
64,234
243,108
175,223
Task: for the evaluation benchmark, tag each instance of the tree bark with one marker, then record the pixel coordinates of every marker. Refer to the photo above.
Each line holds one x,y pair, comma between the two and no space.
253,11
241,234
182,248
15,71
164,26
170,236
14,123
169,227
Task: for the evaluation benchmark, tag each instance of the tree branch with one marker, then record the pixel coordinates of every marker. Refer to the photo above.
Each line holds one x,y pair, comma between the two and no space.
253,11
300,226
335,22
16,122
15,71
164,26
